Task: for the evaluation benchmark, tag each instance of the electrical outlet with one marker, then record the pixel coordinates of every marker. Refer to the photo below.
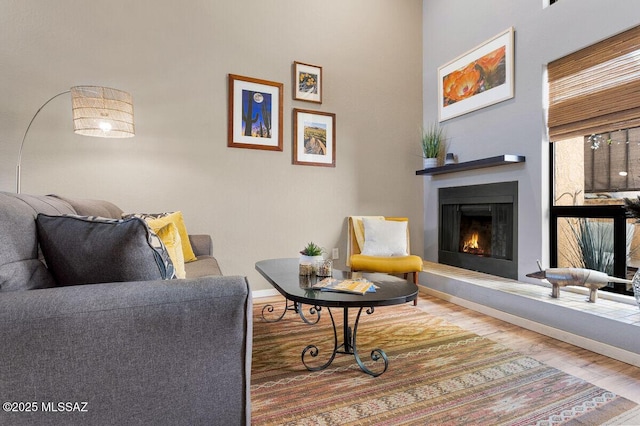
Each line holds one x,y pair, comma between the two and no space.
335,253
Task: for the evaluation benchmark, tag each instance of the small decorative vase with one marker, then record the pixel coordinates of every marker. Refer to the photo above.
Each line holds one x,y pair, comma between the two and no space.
430,163
306,269
636,286
325,268
449,158
309,264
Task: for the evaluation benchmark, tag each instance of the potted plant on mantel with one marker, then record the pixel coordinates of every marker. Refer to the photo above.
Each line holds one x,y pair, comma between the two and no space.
432,145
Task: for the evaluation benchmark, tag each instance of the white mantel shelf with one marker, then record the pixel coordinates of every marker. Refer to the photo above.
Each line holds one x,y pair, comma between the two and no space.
500,160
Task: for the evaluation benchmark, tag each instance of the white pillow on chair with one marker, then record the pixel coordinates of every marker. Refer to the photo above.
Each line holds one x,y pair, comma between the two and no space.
384,238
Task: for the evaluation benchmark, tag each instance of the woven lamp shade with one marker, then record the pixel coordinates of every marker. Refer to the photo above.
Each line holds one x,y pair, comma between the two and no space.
102,112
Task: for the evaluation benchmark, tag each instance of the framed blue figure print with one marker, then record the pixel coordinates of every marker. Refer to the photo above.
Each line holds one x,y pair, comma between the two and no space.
255,113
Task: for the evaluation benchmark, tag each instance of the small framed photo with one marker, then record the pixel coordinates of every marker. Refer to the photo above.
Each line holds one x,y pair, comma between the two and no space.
314,138
307,82
255,113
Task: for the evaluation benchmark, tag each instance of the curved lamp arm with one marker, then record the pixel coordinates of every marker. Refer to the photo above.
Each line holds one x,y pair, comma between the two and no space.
25,137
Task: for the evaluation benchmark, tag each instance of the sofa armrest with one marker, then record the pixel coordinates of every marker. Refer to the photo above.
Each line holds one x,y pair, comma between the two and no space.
152,352
202,244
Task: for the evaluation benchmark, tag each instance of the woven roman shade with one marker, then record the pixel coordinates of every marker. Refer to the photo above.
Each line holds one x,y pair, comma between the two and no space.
596,89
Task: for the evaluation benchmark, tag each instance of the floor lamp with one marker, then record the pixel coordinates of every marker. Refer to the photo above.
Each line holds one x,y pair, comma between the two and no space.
97,111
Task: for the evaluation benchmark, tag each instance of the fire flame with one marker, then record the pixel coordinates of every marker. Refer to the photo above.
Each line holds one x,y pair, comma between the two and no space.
471,243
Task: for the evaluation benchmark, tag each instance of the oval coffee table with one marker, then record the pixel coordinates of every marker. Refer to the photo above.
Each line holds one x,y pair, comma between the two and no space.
283,275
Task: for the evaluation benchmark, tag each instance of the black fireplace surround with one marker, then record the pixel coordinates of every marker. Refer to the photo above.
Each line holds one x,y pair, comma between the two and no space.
478,228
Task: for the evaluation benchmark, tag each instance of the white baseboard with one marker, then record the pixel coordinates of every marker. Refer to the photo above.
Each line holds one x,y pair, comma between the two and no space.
257,294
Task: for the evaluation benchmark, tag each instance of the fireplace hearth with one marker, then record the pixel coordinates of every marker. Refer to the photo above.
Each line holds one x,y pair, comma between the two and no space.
478,228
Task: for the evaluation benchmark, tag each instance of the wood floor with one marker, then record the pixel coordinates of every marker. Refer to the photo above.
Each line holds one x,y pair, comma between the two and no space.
616,376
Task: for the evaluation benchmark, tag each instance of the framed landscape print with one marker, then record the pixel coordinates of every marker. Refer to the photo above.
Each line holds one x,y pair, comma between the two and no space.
478,78
314,138
307,82
255,113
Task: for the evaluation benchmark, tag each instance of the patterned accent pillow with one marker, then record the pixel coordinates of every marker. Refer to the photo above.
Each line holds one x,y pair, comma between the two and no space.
170,237
88,250
158,220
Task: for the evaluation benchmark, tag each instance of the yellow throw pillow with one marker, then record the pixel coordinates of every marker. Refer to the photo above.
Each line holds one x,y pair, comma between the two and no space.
171,239
177,219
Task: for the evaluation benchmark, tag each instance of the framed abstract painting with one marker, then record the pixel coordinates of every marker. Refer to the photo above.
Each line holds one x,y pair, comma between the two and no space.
479,78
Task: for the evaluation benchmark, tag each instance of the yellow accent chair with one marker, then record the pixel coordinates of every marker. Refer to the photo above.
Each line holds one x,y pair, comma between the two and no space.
387,250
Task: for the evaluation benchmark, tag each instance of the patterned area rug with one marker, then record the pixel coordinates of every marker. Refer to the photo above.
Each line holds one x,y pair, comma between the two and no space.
438,374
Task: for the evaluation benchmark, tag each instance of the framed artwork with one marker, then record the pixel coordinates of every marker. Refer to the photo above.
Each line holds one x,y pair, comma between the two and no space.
314,138
307,82
255,113
478,78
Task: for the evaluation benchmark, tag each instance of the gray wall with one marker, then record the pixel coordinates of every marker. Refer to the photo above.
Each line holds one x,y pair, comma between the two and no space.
174,57
515,126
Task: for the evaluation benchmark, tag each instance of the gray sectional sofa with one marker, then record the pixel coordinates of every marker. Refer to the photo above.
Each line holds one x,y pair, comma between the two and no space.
161,352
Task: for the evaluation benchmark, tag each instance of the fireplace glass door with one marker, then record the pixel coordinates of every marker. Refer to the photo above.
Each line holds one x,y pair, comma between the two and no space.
478,229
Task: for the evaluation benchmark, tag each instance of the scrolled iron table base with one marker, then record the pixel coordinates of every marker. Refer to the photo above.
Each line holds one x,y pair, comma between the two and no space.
297,308
348,346
283,274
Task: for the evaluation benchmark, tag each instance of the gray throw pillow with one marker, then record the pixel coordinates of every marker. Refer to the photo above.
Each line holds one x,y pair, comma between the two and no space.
88,250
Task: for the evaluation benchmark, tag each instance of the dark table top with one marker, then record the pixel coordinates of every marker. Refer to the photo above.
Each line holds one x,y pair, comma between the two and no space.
283,275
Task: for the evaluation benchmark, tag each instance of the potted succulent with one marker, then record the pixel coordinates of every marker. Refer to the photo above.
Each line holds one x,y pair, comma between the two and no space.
310,258
433,144
311,253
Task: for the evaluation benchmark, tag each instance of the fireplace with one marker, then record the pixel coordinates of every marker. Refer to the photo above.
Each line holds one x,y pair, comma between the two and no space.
477,228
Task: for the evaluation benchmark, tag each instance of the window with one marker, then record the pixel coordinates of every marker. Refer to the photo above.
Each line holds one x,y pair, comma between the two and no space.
594,124
612,162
